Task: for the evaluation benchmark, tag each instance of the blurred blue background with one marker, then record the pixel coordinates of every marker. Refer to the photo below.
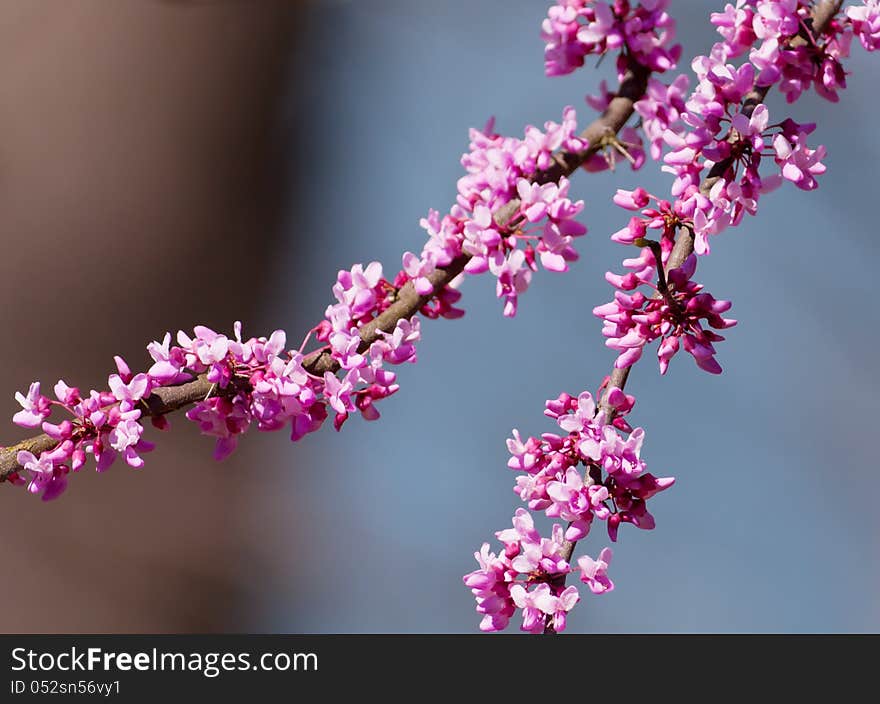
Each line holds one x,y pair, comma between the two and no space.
771,525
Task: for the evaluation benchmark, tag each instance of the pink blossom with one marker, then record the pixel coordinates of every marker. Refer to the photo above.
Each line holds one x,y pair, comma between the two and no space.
47,478
594,573
800,164
132,392
735,25
541,605
66,395
513,278
126,438
419,270
661,109
357,288
491,590
168,363
480,233
632,321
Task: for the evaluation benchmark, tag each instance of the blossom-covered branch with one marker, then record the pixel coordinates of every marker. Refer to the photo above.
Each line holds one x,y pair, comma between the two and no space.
233,383
791,45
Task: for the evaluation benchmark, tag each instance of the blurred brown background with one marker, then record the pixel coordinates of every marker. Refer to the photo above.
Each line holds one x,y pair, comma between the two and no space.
140,190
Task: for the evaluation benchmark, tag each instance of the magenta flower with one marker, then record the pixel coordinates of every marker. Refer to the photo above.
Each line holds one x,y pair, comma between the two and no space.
481,235
594,573
662,109
345,346
513,278
47,478
398,346
167,366
356,289
800,165
735,25
338,394
126,438
419,270
541,605
34,407
132,392
67,395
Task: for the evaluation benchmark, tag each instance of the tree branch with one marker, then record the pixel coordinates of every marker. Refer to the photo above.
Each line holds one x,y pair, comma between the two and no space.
823,14
166,400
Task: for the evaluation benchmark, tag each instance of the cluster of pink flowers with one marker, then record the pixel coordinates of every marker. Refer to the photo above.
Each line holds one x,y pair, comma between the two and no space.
543,227
575,29
528,575
591,472
674,311
723,130
260,382
500,170
104,424
765,29
712,126
865,20
662,109
720,129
